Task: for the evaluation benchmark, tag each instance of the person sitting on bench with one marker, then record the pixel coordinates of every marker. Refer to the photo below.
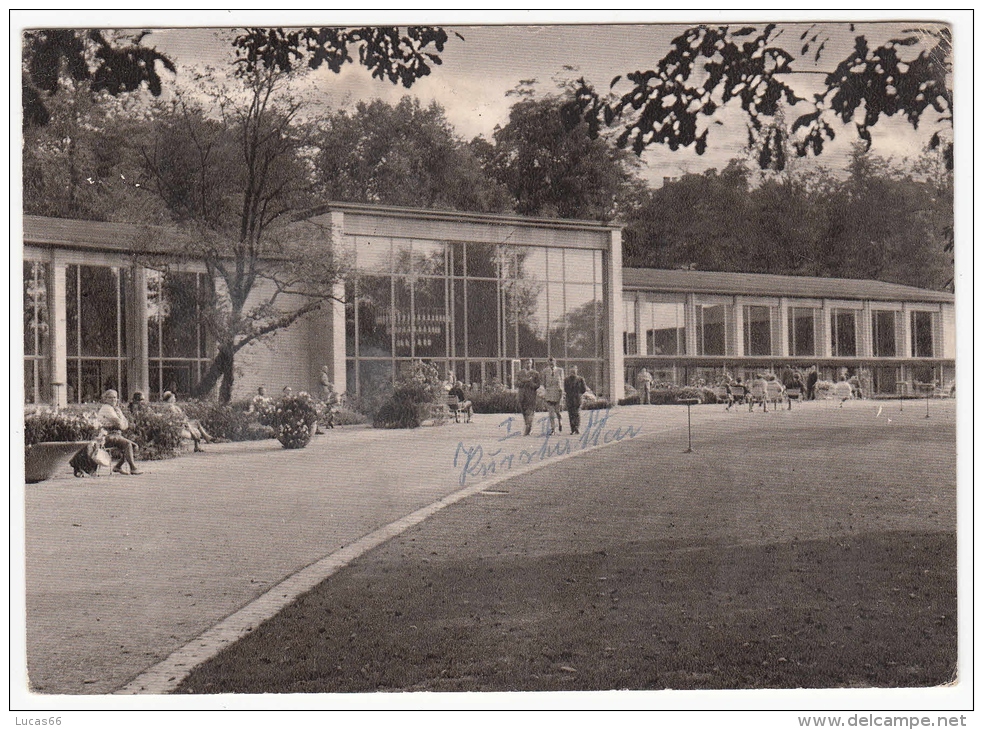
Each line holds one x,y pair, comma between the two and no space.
114,422
463,404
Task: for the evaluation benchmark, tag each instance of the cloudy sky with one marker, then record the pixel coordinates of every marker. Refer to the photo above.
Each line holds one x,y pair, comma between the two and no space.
498,50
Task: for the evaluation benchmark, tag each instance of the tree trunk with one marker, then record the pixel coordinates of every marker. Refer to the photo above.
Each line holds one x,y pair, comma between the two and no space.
222,367
226,362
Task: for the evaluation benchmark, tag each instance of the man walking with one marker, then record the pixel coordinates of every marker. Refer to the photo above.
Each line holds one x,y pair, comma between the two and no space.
553,383
528,383
574,386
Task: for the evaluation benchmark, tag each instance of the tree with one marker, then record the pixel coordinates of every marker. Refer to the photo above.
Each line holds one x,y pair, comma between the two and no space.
707,69
554,168
402,155
698,221
878,223
234,173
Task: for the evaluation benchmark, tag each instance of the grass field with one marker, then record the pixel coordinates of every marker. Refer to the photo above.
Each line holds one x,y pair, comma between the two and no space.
812,548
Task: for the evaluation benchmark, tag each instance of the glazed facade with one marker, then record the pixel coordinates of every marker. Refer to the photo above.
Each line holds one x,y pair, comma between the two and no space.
472,294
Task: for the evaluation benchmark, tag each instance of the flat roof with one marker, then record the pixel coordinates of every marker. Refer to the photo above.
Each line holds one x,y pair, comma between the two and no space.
454,215
774,285
96,235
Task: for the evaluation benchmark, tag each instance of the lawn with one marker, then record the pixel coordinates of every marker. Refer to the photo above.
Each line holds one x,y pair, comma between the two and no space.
812,548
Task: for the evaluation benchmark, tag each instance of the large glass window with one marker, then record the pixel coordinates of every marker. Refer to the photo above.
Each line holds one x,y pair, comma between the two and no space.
884,326
844,332
802,331
711,329
176,336
757,330
474,305
37,345
631,328
664,326
923,334
95,313
581,315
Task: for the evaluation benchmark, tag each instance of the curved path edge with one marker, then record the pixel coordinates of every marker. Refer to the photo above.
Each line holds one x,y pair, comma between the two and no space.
166,675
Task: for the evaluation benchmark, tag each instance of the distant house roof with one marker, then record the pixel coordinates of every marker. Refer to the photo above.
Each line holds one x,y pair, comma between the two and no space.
813,287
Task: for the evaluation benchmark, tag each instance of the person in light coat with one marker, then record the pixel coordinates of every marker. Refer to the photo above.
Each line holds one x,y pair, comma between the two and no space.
552,379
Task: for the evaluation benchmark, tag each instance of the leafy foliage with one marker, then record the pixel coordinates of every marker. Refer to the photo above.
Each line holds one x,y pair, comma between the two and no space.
157,431
46,425
385,51
107,64
406,155
709,68
234,421
881,222
553,167
415,397
294,420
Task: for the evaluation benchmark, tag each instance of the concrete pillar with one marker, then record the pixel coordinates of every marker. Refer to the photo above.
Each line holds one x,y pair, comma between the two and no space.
947,316
689,318
336,315
865,331
824,345
612,291
138,351
905,344
59,330
736,345
780,346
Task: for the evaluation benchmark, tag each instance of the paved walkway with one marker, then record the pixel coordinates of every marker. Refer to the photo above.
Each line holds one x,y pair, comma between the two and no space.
124,571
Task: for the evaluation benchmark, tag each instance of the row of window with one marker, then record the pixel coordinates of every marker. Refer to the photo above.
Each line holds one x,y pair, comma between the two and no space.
384,256
99,342
663,327
476,307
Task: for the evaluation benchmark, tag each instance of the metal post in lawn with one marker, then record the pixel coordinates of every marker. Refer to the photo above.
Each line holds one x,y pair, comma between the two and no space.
689,402
927,398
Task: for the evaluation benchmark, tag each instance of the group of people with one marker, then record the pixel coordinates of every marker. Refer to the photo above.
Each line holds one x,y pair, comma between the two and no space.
556,388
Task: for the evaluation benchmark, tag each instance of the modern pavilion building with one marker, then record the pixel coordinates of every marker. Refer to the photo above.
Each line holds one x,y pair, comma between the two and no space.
472,294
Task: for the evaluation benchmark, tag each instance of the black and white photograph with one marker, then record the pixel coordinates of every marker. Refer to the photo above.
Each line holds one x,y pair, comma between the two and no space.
492,361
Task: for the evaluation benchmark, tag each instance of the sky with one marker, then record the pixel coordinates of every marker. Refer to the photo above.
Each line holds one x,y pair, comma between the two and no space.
497,51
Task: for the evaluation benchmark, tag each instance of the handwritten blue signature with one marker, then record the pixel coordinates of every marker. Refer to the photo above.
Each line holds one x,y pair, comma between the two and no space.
477,462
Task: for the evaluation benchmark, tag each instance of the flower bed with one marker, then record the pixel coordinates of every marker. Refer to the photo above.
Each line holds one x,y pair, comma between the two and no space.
48,425
294,420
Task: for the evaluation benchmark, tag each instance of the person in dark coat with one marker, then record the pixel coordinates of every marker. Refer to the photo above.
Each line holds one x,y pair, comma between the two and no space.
528,382
574,388
811,380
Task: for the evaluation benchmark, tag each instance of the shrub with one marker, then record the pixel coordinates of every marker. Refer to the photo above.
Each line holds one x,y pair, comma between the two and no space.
417,395
232,421
294,420
668,394
502,401
46,425
595,404
157,431
344,416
